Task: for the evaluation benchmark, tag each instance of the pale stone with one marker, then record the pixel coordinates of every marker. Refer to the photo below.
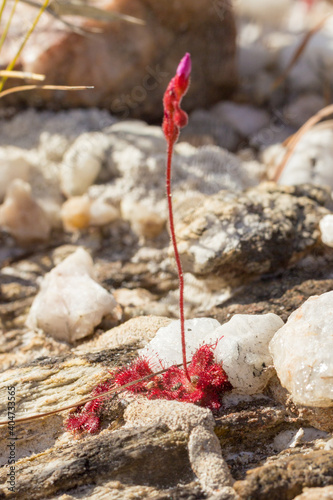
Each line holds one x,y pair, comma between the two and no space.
13,165
323,493
70,302
82,163
102,213
22,216
326,230
134,332
242,347
166,345
80,212
75,213
174,414
302,352
206,460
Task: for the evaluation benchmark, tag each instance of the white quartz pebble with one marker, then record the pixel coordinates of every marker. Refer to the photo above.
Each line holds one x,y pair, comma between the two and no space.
22,216
13,165
243,348
326,229
166,345
302,352
70,302
80,212
82,163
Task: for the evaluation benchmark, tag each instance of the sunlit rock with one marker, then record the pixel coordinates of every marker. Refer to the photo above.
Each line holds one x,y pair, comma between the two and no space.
13,165
80,212
70,302
22,216
302,352
326,230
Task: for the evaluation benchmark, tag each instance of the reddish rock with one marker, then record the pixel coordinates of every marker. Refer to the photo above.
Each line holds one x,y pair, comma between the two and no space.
130,64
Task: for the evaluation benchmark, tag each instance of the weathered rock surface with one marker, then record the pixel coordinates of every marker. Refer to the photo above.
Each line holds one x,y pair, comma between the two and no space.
131,81
285,477
123,456
280,292
239,236
326,493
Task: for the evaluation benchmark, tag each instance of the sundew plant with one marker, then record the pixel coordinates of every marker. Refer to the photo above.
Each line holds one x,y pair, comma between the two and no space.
202,380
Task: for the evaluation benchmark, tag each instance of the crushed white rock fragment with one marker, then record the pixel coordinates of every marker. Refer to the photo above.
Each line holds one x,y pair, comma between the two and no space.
70,302
302,352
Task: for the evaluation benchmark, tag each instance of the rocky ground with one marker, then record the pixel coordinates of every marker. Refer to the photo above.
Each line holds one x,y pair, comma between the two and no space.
91,180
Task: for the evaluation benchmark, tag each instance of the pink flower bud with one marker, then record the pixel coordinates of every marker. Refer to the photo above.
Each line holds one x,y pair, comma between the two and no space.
185,66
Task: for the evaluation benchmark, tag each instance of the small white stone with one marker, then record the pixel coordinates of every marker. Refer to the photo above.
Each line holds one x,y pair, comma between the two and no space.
79,212
22,216
70,302
75,213
326,229
82,163
302,352
166,345
243,349
13,165
102,213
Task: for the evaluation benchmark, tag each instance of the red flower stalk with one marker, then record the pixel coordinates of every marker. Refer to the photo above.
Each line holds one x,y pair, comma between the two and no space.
174,119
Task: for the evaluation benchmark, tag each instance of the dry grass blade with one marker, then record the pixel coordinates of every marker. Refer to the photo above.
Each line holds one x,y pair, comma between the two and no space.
293,141
22,74
5,31
299,51
42,87
2,8
59,8
17,55
114,391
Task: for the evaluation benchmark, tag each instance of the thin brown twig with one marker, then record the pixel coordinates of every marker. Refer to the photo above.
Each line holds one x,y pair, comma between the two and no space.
114,391
299,51
292,142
